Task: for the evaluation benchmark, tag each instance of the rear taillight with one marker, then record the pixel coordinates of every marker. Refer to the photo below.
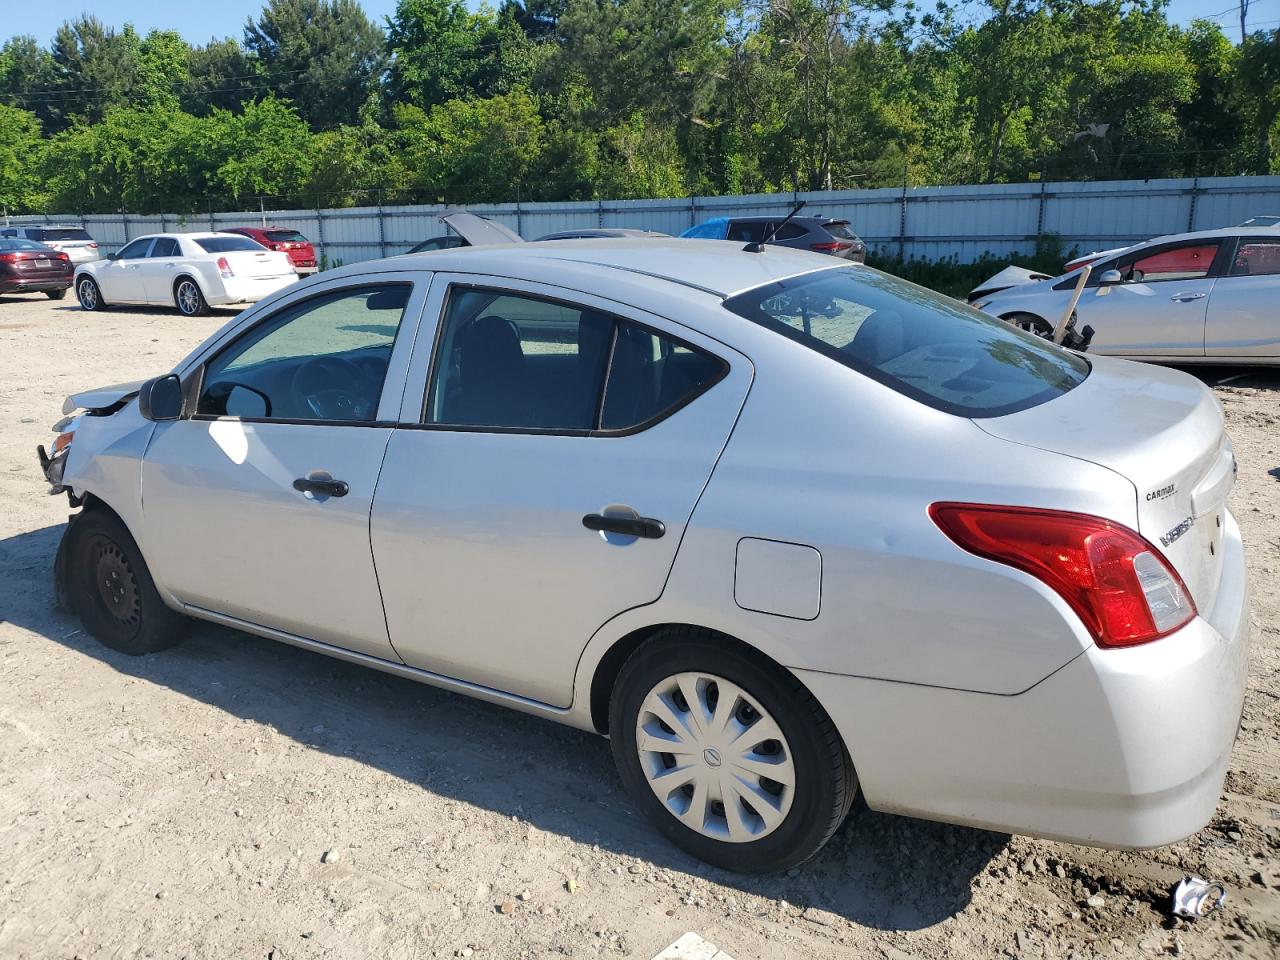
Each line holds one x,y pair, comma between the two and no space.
224,268
276,246
93,245
64,256
830,247
9,258
1115,581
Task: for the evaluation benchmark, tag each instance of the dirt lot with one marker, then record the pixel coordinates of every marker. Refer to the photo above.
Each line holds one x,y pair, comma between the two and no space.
180,804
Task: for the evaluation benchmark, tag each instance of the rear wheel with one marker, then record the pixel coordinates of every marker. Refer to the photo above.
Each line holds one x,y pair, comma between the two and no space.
56,294
89,295
111,588
1031,323
190,301
727,753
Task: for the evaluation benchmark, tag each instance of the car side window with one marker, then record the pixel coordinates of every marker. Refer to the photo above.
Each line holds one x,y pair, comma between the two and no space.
1186,261
324,358
135,250
748,231
1256,256
790,231
514,362
164,247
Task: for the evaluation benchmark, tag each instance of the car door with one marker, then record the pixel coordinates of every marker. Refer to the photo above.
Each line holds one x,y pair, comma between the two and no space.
121,280
1158,309
159,270
1243,321
529,499
257,501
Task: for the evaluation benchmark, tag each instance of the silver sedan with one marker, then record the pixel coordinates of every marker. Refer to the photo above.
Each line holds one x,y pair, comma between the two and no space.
783,527
1207,297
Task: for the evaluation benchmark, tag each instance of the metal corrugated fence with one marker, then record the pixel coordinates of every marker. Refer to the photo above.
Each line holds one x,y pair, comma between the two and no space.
923,223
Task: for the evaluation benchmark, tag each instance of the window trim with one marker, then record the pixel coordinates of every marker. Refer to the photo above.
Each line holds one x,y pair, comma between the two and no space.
193,387
653,421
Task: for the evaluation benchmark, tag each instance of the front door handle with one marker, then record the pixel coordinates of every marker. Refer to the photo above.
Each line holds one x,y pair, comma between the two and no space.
629,526
1184,297
326,486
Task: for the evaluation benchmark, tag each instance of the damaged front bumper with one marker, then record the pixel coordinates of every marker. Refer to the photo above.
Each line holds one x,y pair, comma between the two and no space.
53,465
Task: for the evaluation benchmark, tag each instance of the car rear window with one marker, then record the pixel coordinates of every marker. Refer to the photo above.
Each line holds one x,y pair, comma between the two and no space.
58,235
11,245
227,244
839,229
285,236
921,344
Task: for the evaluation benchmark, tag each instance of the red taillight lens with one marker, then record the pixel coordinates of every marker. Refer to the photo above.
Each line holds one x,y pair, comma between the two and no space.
224,268
64,256
93,245
1115,581
9,258
824,247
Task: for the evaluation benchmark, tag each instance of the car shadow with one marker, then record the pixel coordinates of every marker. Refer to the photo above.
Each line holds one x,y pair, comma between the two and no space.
1258,378
880,871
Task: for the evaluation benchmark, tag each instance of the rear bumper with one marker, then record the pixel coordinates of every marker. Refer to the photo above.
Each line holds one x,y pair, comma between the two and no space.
1119,748
250,289
15,285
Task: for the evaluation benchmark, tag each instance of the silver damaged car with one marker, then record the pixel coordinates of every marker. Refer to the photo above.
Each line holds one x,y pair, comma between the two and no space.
783,527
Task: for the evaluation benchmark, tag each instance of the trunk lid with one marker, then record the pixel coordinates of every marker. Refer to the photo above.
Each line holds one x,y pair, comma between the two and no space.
258,263
1162,430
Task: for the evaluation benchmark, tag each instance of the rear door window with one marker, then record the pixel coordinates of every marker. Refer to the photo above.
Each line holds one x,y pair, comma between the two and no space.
511,362
921,344
164,247
1256,256
791,231
748,231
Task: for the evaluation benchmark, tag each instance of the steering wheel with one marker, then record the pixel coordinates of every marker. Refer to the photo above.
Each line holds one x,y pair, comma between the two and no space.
333,388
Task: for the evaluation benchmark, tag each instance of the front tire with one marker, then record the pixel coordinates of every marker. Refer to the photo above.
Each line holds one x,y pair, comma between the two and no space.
111,588
56,294
1031,324
727,753
90,294
189,298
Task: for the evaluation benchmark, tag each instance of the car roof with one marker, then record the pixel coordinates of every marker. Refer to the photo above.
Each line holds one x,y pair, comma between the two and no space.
717,267
816,219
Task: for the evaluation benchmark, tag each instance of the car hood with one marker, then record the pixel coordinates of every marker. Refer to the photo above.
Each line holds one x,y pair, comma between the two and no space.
1010,276
101,398
1163,431
479,231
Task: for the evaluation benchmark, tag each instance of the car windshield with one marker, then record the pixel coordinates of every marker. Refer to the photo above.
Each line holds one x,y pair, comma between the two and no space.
227,244
285,236
58,235
11,245
924,345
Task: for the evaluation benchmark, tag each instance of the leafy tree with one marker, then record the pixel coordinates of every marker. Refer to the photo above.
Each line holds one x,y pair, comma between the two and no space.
324,55
20,152
221,74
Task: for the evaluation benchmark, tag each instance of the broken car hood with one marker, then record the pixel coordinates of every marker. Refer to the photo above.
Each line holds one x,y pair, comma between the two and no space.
479,231
1010,276
100,398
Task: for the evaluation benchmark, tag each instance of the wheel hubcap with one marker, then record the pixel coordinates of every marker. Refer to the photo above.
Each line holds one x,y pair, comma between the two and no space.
116,586
715,758
187,297
88,294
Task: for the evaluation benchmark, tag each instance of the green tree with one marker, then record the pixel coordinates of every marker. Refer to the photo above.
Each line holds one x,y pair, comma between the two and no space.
221,74
95,69
324,55
20,152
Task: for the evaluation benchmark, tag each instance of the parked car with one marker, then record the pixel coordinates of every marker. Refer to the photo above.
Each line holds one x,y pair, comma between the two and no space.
27,266
820,234
784,527
74,241
192,271
469,230
587,233
285,240
1205,297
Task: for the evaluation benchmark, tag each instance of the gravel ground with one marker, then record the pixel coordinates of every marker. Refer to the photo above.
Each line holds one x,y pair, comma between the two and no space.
235,797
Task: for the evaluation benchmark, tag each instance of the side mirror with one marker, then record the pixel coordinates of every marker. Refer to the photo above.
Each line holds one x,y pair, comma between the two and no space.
161,398
1109,278
113,256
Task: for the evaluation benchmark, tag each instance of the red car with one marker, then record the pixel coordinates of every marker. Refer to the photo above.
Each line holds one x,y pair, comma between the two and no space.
301,254
26,266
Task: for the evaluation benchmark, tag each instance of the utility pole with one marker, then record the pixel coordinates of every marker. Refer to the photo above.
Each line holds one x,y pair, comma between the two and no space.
1244,12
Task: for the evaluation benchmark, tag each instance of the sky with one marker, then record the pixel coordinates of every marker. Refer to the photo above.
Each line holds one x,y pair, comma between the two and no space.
199,21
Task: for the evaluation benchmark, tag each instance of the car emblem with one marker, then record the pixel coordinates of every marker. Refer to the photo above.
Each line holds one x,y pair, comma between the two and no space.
1177,531
712,757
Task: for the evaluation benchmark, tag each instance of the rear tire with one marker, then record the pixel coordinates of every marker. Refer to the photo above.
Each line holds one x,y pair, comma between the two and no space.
189,299
56,294
90,294
1031,324
111,588
715,794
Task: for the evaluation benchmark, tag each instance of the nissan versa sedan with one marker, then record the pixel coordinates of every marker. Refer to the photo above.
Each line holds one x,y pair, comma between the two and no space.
783,527
1206,297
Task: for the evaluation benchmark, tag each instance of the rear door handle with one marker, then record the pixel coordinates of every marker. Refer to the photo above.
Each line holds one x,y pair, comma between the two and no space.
629,526
1184,297
330,488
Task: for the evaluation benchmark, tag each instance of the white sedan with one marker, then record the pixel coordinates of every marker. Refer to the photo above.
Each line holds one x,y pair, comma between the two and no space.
784,527
192,271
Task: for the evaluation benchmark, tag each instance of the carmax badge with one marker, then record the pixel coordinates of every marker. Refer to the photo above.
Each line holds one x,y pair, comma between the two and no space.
1177,531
